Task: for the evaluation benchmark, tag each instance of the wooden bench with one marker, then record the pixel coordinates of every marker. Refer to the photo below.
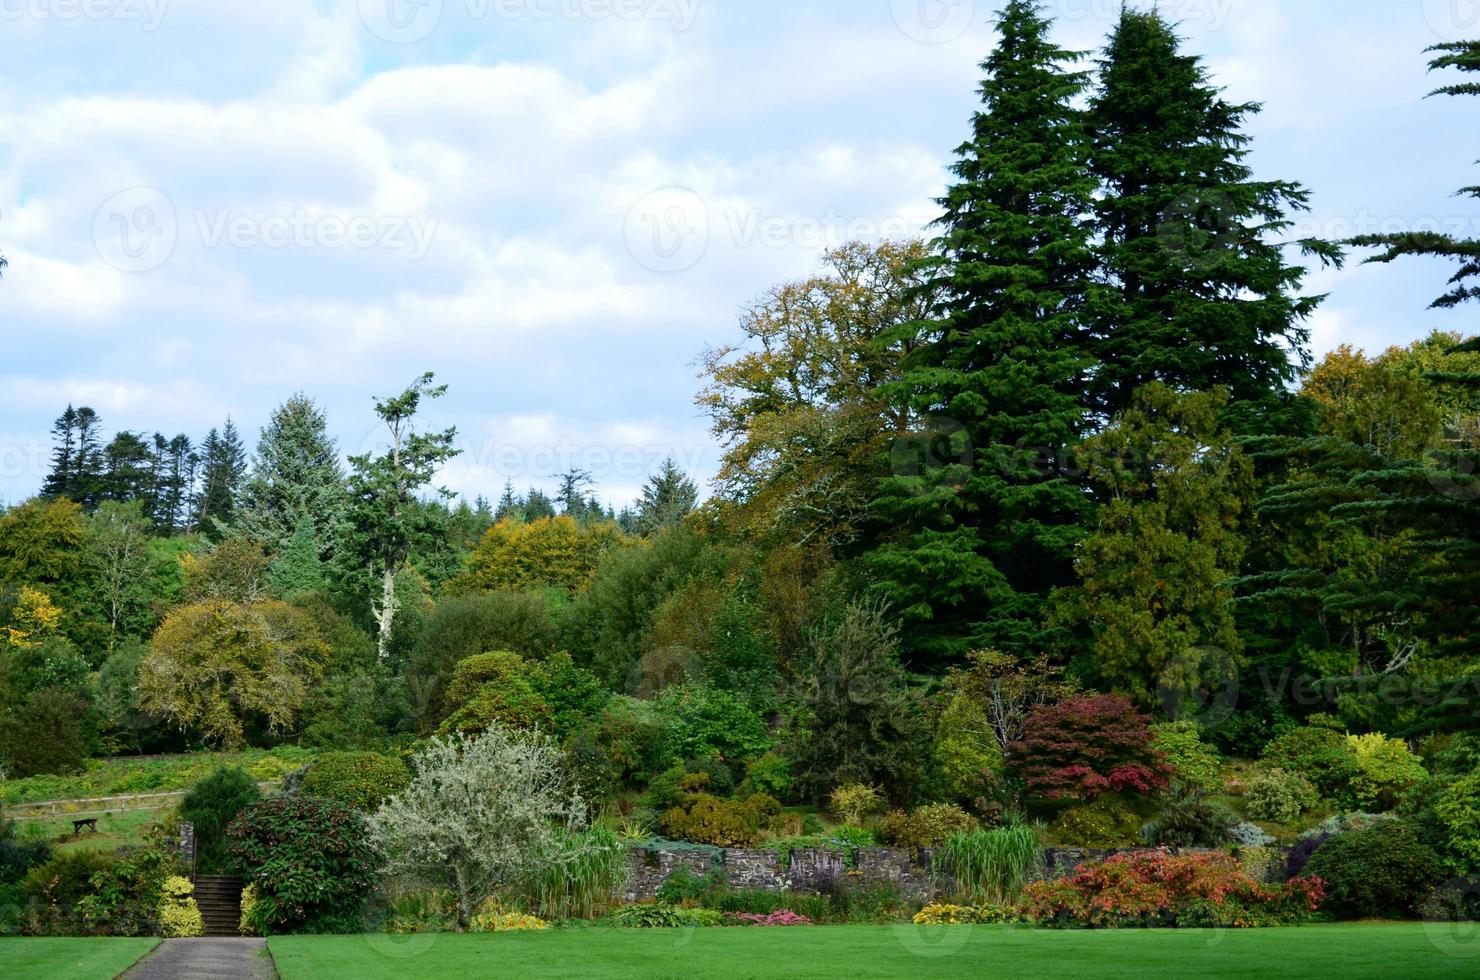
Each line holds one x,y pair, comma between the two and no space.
91,823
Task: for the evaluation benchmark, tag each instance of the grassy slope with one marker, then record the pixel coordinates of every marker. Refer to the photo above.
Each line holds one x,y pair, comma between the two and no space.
1351,952
115,830
121,777
69,959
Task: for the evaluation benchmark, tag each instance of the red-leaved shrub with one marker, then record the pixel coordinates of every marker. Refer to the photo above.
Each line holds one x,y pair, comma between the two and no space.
1087,747
1155,889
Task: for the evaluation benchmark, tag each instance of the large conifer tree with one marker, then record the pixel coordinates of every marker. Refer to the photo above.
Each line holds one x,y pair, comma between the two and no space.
987,518
1203,294
296,474
223,467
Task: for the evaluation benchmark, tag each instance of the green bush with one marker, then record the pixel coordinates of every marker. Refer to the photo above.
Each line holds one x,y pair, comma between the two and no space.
770,774
1107,822
44,736
359,780
1196,763
926,826
211,805
707,722
65,879
1189,819
310,859
1457,809
1278,795
705,819
1385,769
1383,871
1323,756
664,917
683,886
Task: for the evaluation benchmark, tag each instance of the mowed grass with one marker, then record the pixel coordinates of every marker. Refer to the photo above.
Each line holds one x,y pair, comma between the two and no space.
70,959
1349,952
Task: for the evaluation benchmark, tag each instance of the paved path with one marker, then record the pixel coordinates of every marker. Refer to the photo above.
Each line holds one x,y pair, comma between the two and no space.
206,959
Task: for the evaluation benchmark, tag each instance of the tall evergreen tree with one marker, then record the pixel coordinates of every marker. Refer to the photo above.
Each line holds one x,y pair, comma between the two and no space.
384,525
296,473
667,499
128,472
1202,294
988,516
223,468
63,455
87,464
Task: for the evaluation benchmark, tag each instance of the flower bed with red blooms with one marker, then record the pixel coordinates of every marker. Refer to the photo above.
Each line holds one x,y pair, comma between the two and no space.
780,917
1160,890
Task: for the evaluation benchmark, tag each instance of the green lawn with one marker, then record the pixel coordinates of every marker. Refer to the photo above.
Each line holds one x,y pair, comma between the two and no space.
69,959
1349,952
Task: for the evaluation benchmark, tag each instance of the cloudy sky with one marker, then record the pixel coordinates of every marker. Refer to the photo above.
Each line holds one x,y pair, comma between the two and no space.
556,205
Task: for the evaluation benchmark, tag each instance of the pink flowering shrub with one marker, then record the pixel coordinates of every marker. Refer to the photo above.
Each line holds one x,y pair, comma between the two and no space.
780,917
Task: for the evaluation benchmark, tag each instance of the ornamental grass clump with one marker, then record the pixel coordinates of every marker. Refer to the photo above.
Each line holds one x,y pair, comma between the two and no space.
582,873
991,867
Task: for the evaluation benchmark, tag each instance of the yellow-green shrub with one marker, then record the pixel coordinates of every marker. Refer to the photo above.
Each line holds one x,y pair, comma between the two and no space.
1385,768
854,801
249,901
493,918
926,826
1107,822
940,914
179,916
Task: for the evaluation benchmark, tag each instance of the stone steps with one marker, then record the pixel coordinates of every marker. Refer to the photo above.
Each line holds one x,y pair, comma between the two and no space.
219,899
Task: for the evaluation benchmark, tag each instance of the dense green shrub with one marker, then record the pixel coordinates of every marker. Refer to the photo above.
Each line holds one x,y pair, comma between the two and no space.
926,826
1457,809
56,889
1189,819
682,886
1383,871
1194,762
770,774
705,819
465,626
1321,755
1275,794
44,734
211,805
359,780
857,717
1107,822
311,860
664,917
707,722
16,856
